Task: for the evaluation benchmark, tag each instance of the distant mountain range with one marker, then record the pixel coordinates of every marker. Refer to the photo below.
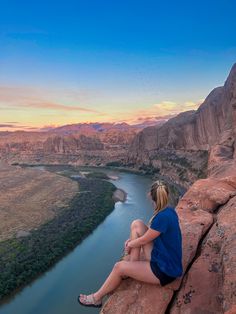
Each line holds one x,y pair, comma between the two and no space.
87,143
102,127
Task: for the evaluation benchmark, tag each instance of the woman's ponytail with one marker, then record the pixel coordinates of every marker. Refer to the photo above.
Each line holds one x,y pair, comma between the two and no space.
160,195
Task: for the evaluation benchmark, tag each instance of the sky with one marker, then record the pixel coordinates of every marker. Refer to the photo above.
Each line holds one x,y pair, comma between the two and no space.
64,62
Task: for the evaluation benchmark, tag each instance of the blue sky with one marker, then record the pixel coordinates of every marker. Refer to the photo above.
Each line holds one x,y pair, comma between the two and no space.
78,61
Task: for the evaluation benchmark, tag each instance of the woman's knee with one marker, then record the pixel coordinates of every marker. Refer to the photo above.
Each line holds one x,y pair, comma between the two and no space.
119,267
137,223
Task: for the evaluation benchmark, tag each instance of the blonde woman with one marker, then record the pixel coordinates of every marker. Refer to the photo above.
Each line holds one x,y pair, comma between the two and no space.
161,242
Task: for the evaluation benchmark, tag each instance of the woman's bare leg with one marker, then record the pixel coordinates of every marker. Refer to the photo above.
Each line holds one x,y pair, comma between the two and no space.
135,232
139,270
131,266
138,228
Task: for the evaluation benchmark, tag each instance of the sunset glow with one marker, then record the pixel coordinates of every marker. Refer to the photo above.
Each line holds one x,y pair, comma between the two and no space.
64,64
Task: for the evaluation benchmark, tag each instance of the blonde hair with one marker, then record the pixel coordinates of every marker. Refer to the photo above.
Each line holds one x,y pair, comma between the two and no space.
160,195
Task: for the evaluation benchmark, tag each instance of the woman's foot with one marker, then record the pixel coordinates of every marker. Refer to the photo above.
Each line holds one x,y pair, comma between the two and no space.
89,300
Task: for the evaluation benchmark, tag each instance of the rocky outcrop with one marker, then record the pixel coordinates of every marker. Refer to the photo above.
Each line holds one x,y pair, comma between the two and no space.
210,285
71,144
206,213
119,195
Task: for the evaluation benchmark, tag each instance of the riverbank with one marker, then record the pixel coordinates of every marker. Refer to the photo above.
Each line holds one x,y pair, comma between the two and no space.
176,190
24,259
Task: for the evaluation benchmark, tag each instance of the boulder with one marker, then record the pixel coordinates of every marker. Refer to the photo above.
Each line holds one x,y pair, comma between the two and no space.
210,284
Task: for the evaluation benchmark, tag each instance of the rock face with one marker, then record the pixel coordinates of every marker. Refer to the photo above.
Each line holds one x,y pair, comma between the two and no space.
82,143
207,212
71,144
91,144
211,282
182,143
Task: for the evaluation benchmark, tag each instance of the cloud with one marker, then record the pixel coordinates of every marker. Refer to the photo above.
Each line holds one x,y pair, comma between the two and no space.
56,106
174,107
163,110
7,126
14,125
28,97
156,118
12,122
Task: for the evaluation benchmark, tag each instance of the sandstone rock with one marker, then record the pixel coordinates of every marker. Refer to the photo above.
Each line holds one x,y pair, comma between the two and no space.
134,297
210,285
91,144
232,310
209,193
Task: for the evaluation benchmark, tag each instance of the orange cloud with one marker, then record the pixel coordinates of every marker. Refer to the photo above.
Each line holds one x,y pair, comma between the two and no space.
55,106
160,111
18,97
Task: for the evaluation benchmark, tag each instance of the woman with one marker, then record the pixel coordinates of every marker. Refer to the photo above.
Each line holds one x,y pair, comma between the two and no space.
161,242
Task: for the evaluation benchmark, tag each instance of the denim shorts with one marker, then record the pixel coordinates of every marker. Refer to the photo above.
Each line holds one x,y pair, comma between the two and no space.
164,279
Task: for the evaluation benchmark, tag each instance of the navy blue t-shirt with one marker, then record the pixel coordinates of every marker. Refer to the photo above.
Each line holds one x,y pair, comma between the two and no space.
167,247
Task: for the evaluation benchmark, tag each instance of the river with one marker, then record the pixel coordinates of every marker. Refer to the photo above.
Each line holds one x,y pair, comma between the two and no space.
85,268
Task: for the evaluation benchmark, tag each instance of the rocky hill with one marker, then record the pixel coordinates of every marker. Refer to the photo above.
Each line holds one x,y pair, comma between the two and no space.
206,211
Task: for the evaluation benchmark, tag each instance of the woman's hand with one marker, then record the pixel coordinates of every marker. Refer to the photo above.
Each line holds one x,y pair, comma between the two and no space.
127,249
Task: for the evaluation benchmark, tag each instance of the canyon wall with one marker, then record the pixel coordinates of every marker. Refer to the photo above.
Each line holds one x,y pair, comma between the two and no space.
206,211
80,144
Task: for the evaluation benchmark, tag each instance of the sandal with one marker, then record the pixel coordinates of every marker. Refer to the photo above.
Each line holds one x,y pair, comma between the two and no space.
89,300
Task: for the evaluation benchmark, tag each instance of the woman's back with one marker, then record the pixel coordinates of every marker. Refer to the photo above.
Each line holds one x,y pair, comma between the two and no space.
167,247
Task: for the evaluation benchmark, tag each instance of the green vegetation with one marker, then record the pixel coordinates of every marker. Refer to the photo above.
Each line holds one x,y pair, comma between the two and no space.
183,164
98,175
115,164
22,259
149,169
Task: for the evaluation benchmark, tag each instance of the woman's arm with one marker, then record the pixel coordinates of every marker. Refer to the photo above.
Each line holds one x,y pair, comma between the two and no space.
148,236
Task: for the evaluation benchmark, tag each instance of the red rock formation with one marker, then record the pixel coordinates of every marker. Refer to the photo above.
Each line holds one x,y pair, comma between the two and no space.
194,130
93,144
71,144
210,284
